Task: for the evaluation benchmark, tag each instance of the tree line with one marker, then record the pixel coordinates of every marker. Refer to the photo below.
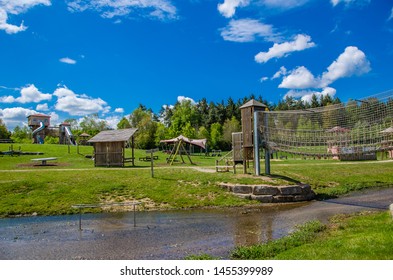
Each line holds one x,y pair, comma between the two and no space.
214,121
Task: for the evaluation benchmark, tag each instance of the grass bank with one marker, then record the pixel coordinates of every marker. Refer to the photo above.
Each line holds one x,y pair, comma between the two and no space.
363,236
26,189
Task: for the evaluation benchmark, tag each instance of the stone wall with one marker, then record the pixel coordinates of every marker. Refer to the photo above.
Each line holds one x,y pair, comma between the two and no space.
271,194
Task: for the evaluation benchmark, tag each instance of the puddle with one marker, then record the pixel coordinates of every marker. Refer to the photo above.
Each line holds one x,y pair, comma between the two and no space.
169,234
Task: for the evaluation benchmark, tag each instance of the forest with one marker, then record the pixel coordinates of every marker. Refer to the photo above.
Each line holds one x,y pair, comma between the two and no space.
201,120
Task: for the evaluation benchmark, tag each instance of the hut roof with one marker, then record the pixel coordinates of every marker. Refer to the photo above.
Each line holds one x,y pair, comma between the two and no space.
253,103
84,134
338,129
197,142
120,135
388,130
38,115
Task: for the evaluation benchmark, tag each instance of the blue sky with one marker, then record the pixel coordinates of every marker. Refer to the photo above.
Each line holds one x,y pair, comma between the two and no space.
71,58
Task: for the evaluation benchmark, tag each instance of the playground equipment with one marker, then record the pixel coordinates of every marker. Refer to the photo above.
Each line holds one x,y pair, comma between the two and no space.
179,147
356,130
39,123
65,135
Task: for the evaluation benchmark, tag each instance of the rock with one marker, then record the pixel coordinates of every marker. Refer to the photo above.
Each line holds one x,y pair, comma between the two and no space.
290,190
263,198
265,190
242,189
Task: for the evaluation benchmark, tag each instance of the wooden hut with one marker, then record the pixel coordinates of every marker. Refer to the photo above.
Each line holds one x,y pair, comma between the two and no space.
109,147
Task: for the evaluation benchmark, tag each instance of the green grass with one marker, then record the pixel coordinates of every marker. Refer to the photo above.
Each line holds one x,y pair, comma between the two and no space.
363,236
26,189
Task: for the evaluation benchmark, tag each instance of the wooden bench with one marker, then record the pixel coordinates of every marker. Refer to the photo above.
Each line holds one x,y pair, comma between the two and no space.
44,160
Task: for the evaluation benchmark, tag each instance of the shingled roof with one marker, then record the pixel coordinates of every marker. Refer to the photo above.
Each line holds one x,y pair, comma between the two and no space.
120,135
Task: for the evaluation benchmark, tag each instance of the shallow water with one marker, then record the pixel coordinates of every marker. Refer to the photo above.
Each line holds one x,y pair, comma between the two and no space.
169,234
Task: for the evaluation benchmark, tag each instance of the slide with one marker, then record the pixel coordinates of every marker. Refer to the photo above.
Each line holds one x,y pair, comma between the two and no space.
35,133
69,135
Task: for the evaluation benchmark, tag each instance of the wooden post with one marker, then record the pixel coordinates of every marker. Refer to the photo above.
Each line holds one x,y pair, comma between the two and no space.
151,160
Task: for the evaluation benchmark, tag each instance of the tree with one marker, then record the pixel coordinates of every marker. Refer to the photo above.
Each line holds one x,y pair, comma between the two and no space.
230,126
21,135
4,133
184,115
216,135
142,119
92,124
123,123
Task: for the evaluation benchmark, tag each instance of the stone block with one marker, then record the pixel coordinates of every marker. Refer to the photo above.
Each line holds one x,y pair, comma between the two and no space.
283,198
265,190
242,189
263,198
290,190
244,196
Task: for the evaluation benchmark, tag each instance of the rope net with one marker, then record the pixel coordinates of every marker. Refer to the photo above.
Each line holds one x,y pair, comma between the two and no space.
353,130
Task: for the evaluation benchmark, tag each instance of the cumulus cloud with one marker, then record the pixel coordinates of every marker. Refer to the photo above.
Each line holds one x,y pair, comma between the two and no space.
299,78
28,94
67,60
15,116
306,95
300,42
181,98
352,62
78,104
248,30
16,7
42,107
228,8
158,9
119,110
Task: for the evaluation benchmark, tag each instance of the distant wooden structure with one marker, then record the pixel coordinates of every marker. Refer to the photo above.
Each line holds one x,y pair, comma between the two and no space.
247,112
39,124
109,147
83,138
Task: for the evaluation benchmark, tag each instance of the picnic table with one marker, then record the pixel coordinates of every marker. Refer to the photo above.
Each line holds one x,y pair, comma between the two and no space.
44,160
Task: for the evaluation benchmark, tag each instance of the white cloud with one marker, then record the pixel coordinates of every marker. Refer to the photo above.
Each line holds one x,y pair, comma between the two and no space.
284,4
349,2
15,116
67,60
299,78
119,110
300,42
247,30
228,8
306,95
42,107
282,72
180,99
28,94
391,15
78,104
159,9
352,62
16,7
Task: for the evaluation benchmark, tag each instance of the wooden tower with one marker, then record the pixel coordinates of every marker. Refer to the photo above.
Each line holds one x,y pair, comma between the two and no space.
247,113
39,124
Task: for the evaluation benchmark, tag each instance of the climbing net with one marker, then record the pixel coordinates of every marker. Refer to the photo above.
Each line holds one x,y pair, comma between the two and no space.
353,130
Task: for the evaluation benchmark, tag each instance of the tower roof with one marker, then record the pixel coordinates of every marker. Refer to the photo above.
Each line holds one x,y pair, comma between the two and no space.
253,103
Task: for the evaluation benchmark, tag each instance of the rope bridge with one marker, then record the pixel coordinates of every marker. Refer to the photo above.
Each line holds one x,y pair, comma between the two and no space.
353,130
